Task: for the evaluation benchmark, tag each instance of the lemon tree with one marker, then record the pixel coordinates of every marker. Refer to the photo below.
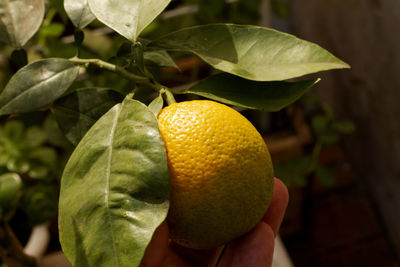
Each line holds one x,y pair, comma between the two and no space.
132,165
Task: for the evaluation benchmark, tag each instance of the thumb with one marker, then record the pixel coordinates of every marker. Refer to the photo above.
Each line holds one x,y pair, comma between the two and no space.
157,249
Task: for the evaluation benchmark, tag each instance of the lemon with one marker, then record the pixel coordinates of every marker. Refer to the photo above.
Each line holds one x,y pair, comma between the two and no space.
221,173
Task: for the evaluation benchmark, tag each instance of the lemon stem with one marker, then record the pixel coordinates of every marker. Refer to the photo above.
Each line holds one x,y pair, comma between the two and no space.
169,97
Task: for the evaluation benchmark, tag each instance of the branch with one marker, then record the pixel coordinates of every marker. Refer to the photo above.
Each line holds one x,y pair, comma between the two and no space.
111,67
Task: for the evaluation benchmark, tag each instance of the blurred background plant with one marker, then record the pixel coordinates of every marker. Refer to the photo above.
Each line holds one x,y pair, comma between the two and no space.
32,157
325,131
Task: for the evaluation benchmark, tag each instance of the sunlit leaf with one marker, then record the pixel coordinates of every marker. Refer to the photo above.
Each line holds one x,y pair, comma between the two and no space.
252,52
20,20
128,18
156,105
79,13
115,189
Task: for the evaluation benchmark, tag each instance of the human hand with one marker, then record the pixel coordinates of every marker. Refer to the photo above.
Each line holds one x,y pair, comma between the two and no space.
251,250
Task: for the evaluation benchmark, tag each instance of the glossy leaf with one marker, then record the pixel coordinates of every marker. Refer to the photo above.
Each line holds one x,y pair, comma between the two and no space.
233,90
115,189
78,12
160,58
37,85
129,17
252,52
156,105
20,20
79,110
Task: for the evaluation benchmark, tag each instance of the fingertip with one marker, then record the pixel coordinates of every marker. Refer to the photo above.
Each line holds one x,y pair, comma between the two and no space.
281,191
277,208
254,249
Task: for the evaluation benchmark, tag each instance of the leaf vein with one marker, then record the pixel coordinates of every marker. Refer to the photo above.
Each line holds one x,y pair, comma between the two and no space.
108,173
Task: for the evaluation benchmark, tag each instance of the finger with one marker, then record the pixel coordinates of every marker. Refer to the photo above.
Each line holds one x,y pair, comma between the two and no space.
277,208
269,225
254,249
157,249
182,256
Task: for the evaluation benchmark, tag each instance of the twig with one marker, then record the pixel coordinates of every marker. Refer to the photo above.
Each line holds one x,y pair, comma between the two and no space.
111,67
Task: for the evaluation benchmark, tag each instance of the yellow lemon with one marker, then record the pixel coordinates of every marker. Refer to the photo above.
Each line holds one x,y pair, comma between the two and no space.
221,173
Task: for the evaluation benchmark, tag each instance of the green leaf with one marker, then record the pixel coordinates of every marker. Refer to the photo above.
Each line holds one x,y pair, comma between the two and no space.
20,20
40,203
46,155
156,105
319,123
233,90
302,165
10,185
79,110
14,130
18,165
128,18
78,12
37,85
35,136
115,189
343,126
55,136
295,170
251,52
160,58
325,175
329,137
52,30
38,172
